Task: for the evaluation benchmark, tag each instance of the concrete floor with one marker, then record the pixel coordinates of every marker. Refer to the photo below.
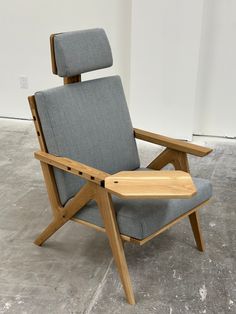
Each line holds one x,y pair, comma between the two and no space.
74,271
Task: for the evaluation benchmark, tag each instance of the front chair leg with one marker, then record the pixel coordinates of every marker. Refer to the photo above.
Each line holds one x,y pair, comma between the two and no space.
108,214
194,220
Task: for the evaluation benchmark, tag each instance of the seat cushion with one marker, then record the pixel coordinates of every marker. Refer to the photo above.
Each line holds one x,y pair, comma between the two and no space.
140,218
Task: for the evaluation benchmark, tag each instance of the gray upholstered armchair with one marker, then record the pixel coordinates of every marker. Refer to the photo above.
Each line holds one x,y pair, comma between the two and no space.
86,135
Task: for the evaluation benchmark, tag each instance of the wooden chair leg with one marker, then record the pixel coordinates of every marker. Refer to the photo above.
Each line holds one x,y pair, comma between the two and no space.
194,220
107,211
64,214
49,231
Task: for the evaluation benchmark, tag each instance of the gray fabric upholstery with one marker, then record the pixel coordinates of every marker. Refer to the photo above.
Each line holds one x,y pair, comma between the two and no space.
82,51
141,218
88,122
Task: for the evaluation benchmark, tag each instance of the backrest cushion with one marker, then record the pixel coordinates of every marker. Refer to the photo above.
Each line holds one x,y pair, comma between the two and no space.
81,51
88,122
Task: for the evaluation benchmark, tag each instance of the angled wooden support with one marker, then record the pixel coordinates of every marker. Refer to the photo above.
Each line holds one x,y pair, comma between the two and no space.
108,214
180,162
170,156
51,189
64,214
166,157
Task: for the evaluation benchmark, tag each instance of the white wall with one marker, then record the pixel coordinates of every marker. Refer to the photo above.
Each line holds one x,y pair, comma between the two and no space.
164,63
215,108
25,28
183,64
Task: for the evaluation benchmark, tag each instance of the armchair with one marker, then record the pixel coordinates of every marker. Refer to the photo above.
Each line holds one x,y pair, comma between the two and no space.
88,148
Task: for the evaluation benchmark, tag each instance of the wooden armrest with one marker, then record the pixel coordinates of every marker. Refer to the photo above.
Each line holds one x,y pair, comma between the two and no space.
172,143
151,184
72,166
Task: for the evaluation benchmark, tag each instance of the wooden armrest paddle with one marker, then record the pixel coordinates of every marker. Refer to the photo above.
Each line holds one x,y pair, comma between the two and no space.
151,184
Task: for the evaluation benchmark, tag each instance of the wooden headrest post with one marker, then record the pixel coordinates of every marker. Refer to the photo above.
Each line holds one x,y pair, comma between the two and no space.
67,80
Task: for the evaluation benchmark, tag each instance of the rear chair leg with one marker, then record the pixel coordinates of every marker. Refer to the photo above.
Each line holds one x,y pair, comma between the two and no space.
194,220
107,211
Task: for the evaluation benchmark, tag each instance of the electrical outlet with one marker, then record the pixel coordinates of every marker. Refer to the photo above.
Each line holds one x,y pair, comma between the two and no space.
23,80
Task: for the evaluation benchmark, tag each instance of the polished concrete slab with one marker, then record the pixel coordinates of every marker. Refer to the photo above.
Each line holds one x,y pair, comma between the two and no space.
74,271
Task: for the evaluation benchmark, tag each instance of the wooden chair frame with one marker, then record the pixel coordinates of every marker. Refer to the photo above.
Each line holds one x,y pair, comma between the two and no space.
175,153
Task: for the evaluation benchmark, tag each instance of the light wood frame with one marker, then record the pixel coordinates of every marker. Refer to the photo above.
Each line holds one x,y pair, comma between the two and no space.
175,153
67,80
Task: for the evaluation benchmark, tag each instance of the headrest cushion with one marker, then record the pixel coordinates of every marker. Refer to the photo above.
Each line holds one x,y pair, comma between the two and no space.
81,51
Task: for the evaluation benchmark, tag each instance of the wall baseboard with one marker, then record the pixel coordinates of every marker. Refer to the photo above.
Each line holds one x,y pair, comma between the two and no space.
12,118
